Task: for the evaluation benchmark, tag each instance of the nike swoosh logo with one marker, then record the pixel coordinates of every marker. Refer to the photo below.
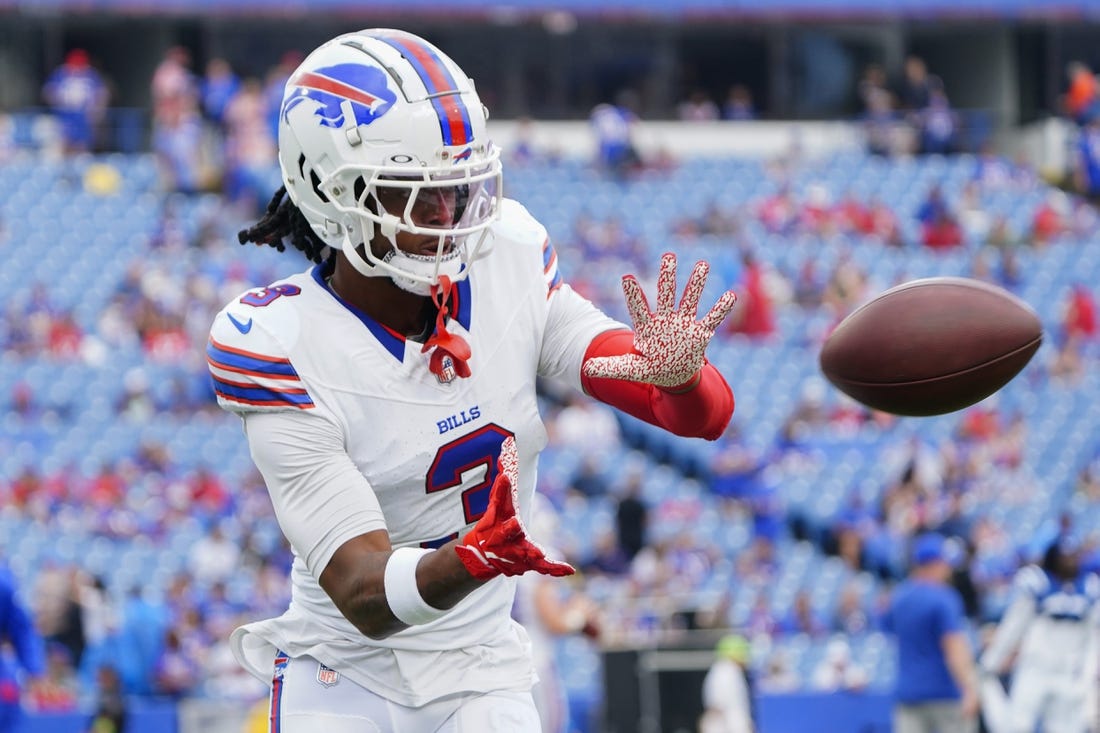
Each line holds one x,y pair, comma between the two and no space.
242,327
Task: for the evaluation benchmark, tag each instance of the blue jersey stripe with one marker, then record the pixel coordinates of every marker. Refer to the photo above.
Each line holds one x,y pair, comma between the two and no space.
547,254
465,302
257,364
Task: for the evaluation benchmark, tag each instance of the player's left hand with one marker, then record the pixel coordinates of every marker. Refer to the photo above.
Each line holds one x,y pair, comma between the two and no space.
498,544
671,343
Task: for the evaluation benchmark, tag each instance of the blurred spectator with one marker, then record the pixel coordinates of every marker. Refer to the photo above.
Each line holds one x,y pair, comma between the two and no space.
973,216
1050,220
632,519
273,87
209,493
17,632
1066,363
817,216
1088,482
939,227
778,676
549,611
938,125
177,144
1082,94
219,85
177,671
739,104
58,691
778,212
884,223
607,557
590,478
992,171
850,617
1086,160
915,89
99,615
837,672
613,127
1079,313
802,618
523,149
65,337
249,147
846,287
77,94
734,467
698,107
715,221
877,111
174,88
754,315
1001,234
110,708
585,426
728,689
57,611
809,285
213,557
937,684
962,577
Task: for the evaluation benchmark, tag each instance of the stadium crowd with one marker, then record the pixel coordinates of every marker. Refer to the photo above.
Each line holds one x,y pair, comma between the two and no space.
653,575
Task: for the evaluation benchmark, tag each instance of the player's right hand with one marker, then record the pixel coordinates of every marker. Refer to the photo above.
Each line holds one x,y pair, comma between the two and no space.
498,544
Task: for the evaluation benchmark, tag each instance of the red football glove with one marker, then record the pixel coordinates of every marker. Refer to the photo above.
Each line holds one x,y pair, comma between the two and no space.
498,544
670,342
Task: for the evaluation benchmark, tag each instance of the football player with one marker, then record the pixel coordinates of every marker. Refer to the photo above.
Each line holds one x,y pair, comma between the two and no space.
388,395
1051,628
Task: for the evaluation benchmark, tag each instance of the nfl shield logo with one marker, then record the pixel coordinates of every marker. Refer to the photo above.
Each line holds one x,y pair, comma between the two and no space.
326,676
448,374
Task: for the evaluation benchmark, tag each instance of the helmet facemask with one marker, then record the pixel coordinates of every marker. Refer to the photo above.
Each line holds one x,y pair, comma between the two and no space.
453,206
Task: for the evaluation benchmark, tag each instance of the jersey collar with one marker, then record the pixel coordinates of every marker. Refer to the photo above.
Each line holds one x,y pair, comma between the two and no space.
392,341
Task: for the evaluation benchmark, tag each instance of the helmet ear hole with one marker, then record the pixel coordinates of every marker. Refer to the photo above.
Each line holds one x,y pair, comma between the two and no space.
314,179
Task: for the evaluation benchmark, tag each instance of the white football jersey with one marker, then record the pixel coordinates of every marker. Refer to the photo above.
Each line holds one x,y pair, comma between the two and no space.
1052,625
353,433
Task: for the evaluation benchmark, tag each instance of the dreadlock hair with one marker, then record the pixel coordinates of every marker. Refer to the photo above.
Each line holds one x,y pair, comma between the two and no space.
284,222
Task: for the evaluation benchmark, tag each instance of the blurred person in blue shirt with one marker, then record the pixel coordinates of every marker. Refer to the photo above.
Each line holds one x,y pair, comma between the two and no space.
218,86
21,650
1086,164
937,685
613,126
77,95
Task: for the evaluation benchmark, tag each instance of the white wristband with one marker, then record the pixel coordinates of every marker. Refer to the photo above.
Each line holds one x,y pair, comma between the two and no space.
402,593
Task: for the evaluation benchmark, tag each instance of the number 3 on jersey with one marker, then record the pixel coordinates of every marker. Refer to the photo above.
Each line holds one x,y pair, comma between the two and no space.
461,456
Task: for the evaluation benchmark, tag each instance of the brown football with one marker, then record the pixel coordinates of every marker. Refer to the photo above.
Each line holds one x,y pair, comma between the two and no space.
931,346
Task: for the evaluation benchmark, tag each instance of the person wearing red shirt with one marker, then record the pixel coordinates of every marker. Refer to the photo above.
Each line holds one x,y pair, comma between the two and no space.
757,314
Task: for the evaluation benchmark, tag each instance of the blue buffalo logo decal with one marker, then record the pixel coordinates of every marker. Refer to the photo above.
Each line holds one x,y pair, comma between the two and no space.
363,86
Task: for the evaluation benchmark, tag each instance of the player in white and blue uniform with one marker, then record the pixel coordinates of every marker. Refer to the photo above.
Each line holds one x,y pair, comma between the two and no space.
1051,627
388,396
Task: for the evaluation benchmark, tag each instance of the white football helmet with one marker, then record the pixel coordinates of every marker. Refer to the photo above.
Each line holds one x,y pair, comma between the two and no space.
381,132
